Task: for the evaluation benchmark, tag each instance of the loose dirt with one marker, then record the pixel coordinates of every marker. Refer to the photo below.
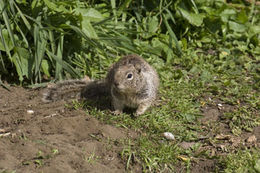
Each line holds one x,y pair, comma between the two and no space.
49,137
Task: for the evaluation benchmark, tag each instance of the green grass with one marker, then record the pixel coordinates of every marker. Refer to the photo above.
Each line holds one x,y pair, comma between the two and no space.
206,53
242,161
68,39
184,92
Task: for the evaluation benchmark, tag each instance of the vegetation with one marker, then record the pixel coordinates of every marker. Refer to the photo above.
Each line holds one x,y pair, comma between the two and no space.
206,52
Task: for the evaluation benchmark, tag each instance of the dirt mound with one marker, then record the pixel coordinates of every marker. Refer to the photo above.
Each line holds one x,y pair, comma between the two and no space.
48,137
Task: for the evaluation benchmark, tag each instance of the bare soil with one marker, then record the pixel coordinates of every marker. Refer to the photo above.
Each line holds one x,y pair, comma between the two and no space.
55,138
50,137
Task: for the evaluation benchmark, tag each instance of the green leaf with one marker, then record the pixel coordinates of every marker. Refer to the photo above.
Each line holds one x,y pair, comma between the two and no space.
90,14
7,21
58,68
124,6
88,29
64,64
5,43
184,43
23,69
152,24
40,41
45,67
170,15
194,19
27,24
237,27
173,36
53,6
257,165
242,16
82,34
158,46
213,24
113,5
227,14
253,30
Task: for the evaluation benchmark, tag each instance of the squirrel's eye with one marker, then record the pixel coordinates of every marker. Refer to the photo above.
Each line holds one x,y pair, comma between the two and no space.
129,76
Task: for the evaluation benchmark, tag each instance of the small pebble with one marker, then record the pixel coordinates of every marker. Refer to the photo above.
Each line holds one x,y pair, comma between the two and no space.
52,115
30,112
220,106
5,134
168,135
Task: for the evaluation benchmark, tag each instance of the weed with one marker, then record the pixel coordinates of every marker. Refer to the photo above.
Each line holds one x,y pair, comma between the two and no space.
55,151
92,158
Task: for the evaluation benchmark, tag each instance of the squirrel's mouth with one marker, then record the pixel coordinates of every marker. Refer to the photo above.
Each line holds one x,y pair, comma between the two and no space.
124,90
119,86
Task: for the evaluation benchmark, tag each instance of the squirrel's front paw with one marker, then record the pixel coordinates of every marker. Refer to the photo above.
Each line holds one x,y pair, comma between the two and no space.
142,108
117,112
137,113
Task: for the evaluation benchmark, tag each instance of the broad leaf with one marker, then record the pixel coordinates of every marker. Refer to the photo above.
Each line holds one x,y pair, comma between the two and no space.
194,19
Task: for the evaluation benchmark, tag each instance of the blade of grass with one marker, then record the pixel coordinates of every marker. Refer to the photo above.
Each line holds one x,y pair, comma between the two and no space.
113,5
251,14
172,34
2,8
4,86
3,68
27,24
38,85
81,33
171,16
124,6
195,7
52,42
92,42
7,21
64,64
6,49
22,34
40,40
58,68
122,39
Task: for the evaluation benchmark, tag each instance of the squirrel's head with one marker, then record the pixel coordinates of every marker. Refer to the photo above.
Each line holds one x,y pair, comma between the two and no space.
128,79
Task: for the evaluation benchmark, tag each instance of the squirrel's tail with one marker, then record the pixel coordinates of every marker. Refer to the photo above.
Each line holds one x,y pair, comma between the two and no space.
75,89
95,89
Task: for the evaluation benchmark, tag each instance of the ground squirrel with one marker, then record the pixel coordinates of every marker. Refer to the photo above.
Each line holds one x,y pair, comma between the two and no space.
130,82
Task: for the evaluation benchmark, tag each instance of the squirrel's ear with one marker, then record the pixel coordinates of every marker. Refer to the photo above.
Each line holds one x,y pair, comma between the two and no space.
138,67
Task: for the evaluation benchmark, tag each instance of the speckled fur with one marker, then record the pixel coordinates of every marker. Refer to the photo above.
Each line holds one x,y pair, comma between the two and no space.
138,92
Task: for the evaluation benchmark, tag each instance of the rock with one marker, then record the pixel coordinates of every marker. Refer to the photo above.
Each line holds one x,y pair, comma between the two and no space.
168,135
30,112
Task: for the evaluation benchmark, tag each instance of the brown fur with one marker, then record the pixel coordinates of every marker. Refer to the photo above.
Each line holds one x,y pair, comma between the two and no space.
131,82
